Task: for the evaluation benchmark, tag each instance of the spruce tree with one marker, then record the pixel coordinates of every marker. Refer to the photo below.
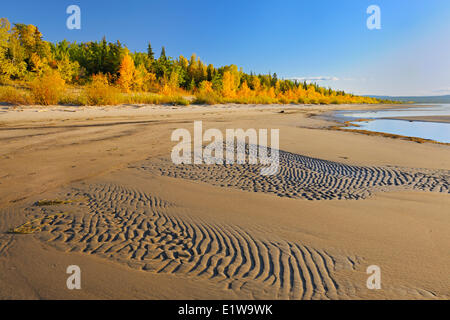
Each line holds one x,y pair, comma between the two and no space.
150,53
163,57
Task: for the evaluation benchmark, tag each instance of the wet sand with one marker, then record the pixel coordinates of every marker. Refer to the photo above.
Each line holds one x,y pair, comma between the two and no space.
442,119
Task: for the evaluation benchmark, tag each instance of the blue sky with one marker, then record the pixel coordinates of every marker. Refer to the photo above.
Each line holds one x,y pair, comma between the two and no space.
410,55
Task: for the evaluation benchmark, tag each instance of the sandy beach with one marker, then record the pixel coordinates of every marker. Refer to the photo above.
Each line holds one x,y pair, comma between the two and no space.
141,227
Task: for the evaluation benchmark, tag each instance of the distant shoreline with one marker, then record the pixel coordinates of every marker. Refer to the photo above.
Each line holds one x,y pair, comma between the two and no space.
439,119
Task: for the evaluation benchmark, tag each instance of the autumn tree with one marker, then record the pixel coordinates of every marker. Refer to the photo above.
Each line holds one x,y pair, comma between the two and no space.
206,87
126,73
6,67
230,81
244,91
228,85
143,80
24,55
255,83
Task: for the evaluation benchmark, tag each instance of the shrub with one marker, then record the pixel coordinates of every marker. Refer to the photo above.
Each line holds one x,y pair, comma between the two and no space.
74,99
301,100
15,96
99,92
178,100
283,100
207,98
334,101
47,89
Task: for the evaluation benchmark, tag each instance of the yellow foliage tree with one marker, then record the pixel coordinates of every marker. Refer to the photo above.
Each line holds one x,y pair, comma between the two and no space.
228,85
69,70
244,90
206,87
271,93
183,62
38,65
126,72
255,83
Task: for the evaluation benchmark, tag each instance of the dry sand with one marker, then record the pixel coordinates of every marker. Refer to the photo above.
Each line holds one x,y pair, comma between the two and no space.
140,227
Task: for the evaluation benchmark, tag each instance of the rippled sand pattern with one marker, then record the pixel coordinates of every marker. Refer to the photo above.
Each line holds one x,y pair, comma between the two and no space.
307,178
148,233
131,227
137,229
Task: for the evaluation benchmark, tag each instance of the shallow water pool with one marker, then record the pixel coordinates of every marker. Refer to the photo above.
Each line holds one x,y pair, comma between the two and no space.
436,131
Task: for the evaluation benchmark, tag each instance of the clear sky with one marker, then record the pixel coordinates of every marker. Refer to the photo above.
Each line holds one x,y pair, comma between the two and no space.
314,39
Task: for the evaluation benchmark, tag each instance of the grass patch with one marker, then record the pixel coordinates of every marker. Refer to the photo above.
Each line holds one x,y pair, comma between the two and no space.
54,202
153,98
35,225
15,96
100,93
45,202
207,98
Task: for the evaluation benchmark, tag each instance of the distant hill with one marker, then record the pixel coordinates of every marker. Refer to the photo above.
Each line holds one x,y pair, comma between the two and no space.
424,99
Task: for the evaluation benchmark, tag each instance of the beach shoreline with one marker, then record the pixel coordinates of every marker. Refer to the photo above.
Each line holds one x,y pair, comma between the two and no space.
141,228
352,123
439,119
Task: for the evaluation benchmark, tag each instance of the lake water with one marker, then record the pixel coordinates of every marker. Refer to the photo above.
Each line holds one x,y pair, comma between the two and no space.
426,130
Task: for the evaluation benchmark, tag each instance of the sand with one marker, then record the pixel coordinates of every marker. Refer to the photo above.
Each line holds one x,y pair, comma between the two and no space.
443,119
140,227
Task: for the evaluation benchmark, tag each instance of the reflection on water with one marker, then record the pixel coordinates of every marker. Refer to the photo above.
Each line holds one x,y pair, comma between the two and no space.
425,130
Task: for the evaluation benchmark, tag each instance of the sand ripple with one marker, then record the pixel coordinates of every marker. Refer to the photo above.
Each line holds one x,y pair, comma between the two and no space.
150,234
308,178
144,232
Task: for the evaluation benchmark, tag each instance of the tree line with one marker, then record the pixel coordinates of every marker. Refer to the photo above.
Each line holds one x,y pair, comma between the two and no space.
25,56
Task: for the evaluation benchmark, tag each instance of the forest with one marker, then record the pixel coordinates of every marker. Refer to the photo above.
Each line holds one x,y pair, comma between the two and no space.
35,71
